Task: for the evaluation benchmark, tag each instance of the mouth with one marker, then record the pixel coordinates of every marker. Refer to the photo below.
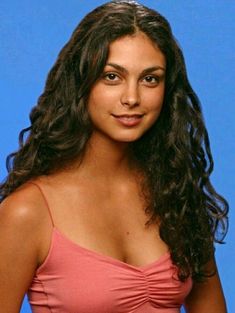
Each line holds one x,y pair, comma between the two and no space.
128,119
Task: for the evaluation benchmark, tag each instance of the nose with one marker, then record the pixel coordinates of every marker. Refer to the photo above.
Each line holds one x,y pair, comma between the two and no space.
130,96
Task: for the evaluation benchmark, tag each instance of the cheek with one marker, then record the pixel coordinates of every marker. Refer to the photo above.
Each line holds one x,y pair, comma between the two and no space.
98,106
102,100
154,101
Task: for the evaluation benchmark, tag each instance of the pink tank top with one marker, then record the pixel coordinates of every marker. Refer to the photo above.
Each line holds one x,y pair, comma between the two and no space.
74,279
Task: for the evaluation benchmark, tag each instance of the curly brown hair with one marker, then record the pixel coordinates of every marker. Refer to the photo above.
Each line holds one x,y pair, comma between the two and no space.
174,154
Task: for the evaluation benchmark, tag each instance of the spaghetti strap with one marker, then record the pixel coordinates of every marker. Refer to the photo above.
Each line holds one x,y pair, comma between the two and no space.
45,199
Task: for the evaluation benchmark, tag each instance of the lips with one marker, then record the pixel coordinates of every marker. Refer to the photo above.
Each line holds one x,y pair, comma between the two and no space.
128,119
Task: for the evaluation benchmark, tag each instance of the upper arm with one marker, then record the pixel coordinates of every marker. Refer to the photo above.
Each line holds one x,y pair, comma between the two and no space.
19,250
206,296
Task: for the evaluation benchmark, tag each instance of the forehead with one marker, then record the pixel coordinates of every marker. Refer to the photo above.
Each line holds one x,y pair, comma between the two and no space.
135,50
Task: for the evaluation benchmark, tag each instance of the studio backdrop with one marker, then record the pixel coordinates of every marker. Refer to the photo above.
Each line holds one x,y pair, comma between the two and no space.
33,32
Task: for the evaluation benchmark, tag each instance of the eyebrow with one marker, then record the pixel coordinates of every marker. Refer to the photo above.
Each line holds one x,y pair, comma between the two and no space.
145,71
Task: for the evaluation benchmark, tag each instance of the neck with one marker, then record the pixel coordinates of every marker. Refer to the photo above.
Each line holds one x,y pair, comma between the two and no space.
105,158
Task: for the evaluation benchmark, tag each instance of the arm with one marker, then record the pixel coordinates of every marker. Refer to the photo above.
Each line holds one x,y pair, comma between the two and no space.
19,249
207,296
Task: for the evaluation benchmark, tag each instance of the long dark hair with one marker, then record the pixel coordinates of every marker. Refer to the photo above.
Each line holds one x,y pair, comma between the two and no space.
174,154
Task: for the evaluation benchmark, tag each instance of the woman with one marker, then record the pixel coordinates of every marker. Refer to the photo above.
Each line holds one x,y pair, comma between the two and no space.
108,206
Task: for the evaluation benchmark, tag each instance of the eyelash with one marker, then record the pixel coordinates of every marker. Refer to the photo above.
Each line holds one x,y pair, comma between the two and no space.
156,78
107,76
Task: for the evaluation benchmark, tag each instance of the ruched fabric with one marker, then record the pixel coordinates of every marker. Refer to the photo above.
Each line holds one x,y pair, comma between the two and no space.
74,279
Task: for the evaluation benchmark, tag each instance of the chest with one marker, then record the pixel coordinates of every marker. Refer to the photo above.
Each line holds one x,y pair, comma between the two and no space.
110,221
75,279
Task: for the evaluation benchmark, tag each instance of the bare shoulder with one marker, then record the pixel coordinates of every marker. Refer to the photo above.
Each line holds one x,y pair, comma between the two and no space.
24,208
24,219
23,230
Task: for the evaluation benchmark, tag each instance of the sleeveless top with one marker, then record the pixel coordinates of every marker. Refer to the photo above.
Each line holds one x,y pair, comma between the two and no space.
74,279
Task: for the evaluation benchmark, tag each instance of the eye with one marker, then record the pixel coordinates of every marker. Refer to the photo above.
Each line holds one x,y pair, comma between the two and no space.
151,79
110,77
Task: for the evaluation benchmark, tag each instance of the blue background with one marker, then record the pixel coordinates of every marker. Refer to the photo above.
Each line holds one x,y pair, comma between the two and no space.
33,32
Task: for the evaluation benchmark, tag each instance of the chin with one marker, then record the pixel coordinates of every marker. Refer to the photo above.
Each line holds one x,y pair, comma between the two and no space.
127,138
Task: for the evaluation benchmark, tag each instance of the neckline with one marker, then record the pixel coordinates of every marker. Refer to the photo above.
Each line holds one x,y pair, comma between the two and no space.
164,257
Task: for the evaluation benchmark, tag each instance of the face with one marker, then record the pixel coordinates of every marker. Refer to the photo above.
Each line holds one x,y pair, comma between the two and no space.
127,99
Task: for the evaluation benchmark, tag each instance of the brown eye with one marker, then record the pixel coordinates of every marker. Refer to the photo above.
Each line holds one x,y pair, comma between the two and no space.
151,79
110,76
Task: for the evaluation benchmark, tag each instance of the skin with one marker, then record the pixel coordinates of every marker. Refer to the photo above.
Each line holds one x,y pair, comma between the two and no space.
85,200
128,87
